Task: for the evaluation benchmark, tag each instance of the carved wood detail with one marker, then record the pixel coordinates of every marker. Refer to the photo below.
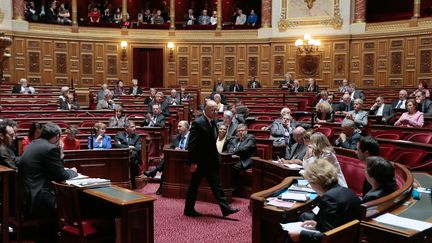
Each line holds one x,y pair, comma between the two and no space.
87,63
253,66
112,65
426,61
369,64
61,63
183,66
34,62
206,66
278,66
229,66
396,63
340,65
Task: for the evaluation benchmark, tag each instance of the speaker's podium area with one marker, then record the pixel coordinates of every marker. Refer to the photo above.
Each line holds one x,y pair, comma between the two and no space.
293,81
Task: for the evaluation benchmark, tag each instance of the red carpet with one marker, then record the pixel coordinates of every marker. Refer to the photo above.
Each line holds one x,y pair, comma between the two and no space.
172,226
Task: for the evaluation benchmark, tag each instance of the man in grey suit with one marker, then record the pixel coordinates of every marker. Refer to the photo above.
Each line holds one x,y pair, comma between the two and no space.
229,122
423,105
356,93
359,116
154,119
349,136
294,154
382,110
174,98
244,145
41,163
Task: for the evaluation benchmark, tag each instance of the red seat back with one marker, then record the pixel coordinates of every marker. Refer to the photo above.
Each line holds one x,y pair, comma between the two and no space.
354,172
264,117
387,150
420,137
327,131
390,134
409,157
258,125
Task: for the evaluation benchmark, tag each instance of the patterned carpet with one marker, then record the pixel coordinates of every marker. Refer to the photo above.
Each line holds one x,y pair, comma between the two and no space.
172,226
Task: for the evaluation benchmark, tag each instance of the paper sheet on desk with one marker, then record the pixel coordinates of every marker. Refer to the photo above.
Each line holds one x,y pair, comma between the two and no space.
89,182
294,196
295,226
402,222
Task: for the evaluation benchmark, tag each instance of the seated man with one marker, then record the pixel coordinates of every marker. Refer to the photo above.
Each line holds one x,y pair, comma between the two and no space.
23,88
244,145
356,93
119,119
219,91
229,122
401,102
236,87
106,102
253,83
154,119
179,141
163,105
219,83
345,87
204,19
381,175
69,104
7,156
281,130
382,110
345,105
423,105
349,136
294,154
359,116
135,89
129,139
296,87
174,98
101,92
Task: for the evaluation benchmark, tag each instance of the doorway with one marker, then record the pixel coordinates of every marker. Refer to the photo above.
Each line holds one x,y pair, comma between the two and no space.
148,67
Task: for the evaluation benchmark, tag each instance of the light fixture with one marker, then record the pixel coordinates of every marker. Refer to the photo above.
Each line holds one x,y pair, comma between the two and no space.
123,45
307,45
170,46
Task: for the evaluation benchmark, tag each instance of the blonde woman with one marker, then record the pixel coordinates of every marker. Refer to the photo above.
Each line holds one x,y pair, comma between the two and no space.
324,112
99,140
320,148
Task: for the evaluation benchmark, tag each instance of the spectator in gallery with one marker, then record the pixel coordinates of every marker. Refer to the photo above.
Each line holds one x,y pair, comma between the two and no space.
253,83
69,104
31,14
94,15
158,19
107,16
312,86
99,140
345,87
236,87
411,118
119,89
140,16
147,18
119,119
204,19
165,11
296,87
252,18
107,102
422,86
213,18
135,89
70,142
23,87
189,18
423,105
241,18
64,15
33,133
324,113
51,13
117,18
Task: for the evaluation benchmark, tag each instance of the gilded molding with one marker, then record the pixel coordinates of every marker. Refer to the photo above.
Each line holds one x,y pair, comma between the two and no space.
285,22
1,16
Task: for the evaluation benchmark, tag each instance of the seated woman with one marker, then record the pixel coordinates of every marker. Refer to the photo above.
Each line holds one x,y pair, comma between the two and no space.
34,133
411,118
118,120
320,148
222,139
94,15
338,205
324,113
422,86
69,141
312,86
380,174
99,140
220,106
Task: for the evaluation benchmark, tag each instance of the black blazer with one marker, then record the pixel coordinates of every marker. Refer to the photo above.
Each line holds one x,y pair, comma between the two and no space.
175,142
64,106
345,107
338,206
239,87
380,192
425,107
120,141
395,103
16,89
257,84
139,90
39,165
296,151
202,144
387,113
299,89
358,94
350,142
314,89
246,149
164,108
329,117
160,121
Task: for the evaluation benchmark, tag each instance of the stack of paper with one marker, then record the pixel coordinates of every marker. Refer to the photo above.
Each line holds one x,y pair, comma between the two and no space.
408,223
293,166
274,201
301,188
294,196
295,226
89,182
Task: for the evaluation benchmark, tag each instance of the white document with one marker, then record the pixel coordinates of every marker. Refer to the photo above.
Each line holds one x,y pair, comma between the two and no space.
79,177
295,226
88,182
402,222
293,166
316,210
294,196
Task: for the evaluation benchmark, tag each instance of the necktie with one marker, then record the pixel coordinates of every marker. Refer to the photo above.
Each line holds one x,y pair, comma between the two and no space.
181,145
399,104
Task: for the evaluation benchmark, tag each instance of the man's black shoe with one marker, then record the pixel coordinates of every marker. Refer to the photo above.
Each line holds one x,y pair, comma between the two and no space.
159,191
230,211
192,213
150,173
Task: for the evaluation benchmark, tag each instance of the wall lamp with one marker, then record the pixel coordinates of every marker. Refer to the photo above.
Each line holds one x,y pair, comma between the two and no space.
170,46
123,45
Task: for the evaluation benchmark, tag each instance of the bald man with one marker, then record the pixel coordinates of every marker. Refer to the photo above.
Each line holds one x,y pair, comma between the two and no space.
204,161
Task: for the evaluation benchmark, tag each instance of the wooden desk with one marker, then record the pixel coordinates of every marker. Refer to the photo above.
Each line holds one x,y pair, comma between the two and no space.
4,177
133,212
373,231
177,176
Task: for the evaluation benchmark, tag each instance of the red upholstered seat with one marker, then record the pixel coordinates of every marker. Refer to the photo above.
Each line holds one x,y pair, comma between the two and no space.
108,115
420,137
354,172
258,125
264,117
90,227
87,114
387,150
409,157
304,118
426,167
390,134
338,119
327,131
24,125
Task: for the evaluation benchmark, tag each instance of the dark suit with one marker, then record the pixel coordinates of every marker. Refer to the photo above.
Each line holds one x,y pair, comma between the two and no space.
225,88
296,151
378,193
346,107
163,108
252,83
244,149
64,105
7,157
387,113
297,89
358,94
395,103
138,92
160,121
312,89
328,118
350,142
339,205
16,89
232,128
238,88
425,107
203,152
39,165
122,140
173,101
175,143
